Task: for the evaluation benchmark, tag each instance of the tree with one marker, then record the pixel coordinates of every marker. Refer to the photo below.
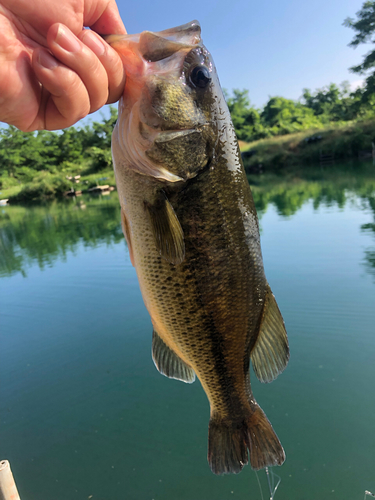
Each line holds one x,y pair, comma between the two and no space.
332,103
245,118
364,26
284,116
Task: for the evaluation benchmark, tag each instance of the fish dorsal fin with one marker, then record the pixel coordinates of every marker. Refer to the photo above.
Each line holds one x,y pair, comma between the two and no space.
168,363
189,33
155,48
167,230
270,353
126,231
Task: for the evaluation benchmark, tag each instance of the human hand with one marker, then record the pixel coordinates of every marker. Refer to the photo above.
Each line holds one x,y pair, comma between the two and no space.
54,72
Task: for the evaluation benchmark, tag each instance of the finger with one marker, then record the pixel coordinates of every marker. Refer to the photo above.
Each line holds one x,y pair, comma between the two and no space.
65,99
68,49
111,62
103,17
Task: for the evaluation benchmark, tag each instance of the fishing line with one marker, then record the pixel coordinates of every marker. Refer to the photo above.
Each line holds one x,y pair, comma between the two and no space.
260,488
271,480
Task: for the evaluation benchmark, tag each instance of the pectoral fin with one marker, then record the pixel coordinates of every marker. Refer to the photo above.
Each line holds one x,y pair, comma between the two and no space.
270,353
167,230
126,231
168,363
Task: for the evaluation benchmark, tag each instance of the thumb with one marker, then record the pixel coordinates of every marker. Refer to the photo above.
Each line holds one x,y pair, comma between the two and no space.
103,17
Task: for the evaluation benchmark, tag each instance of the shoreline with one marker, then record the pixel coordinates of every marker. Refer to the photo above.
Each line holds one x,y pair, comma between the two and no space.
340,143
348,141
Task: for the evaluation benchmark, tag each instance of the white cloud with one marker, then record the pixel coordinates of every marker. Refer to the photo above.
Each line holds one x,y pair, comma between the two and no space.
356,84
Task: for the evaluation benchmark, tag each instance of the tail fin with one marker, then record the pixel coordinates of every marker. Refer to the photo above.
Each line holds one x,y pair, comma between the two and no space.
228,443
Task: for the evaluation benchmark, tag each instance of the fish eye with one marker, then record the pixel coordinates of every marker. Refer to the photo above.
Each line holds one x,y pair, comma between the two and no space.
200,76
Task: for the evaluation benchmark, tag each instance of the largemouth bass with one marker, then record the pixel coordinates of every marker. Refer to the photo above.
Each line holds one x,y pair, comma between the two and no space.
192,230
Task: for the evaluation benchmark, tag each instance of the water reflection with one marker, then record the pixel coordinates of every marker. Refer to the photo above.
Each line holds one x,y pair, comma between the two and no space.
370,228
325,186
42,234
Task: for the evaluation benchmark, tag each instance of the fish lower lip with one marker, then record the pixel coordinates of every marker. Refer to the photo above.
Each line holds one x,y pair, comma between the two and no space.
169,135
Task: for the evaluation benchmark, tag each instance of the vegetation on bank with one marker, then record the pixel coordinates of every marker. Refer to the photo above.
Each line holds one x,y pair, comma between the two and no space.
333,120
343,141
37,165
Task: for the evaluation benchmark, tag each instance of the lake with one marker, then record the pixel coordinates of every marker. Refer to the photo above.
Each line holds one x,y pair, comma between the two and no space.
86,415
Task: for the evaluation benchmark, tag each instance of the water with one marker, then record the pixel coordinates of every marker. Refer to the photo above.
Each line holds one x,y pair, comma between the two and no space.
85,414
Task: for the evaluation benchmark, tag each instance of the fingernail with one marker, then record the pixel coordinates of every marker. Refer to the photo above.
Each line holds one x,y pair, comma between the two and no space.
46,60
67,40
94,43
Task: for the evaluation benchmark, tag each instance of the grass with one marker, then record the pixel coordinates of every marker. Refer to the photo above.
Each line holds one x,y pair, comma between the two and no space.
10,192
344,141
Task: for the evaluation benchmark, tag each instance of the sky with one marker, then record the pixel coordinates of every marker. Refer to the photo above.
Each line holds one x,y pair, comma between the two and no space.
269,47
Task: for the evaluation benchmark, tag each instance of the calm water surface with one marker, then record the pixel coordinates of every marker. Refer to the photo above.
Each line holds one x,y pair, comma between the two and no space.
85,414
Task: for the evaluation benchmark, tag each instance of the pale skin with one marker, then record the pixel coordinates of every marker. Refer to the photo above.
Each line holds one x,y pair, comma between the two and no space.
53,71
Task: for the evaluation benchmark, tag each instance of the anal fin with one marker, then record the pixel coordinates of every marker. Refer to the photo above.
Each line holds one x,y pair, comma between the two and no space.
168,363
270,353
169,237
126,231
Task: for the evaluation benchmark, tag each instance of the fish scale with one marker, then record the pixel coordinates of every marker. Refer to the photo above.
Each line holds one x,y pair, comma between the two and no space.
193,235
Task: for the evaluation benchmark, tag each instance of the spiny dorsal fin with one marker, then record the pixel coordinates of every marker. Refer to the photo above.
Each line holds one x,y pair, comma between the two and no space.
270,354
155,48
167,230
186,33
168,363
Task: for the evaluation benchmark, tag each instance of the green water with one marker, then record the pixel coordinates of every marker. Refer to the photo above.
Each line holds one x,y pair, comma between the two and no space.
85,414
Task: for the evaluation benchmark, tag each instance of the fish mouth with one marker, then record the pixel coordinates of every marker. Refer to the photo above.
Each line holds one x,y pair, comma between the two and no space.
154,47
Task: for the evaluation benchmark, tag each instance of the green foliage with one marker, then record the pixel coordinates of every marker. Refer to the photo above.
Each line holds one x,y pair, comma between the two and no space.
284,116
343,140
333,103
100,158
245,118
45,186
326,106
24,152
279,116
103,131
364,27
37,160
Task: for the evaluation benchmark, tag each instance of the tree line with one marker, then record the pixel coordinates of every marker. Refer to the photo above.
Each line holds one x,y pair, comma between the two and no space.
22,154
330,104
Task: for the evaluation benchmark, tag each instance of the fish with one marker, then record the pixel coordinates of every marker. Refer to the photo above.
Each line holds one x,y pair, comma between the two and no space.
192,230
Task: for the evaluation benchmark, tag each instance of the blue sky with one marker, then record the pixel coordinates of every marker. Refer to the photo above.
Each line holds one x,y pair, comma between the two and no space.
269,47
